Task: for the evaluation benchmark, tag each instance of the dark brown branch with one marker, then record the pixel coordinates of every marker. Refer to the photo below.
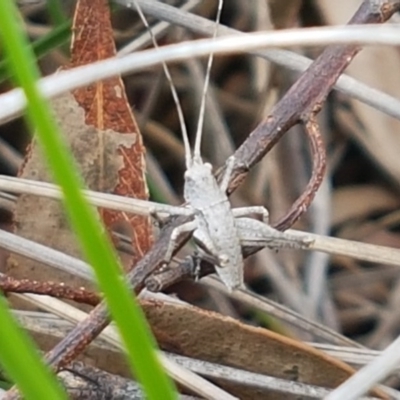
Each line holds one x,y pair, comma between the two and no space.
306,96
301,102
187,269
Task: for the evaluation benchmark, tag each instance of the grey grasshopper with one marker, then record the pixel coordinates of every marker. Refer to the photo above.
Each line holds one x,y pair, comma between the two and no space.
217,228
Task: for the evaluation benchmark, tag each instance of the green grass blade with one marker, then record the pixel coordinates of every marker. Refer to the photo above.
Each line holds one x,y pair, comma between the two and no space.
20,358
56,11
98,250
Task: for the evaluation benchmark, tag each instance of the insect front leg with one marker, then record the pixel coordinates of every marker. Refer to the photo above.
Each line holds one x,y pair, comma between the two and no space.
241,212
230,163
176,233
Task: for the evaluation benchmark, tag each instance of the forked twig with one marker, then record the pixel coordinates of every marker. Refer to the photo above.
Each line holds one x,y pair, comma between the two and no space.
85,332
300,104
300,206
306,97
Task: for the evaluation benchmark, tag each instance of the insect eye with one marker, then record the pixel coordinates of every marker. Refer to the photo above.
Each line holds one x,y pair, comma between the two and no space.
223,260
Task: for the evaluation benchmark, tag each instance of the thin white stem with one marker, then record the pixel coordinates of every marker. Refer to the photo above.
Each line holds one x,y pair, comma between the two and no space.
360,251
158,29
46,255
287,59
367,377
182,123
13,102
111,201
251,379
281,312
199,132
349,248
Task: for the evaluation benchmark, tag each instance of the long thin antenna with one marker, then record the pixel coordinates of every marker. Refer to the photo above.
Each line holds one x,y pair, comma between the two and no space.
188,152
199,132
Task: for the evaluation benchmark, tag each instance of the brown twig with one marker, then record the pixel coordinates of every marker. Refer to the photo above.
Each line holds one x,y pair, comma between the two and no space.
86,331
192,267
306,97
300,104
300,206
53,289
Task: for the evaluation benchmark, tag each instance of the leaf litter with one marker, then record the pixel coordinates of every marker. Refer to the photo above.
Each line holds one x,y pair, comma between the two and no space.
367,175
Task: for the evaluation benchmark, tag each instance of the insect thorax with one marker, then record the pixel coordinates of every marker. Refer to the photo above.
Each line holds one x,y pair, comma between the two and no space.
201,188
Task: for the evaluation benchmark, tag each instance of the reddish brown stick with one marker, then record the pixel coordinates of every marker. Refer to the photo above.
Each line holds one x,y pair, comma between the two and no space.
300,206
53,289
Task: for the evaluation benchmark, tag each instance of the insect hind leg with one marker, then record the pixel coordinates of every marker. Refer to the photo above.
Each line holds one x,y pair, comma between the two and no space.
254,232
241,212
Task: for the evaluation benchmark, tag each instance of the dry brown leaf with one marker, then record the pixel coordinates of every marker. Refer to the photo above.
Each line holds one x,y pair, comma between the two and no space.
208,336
44,220
103,136
106,107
